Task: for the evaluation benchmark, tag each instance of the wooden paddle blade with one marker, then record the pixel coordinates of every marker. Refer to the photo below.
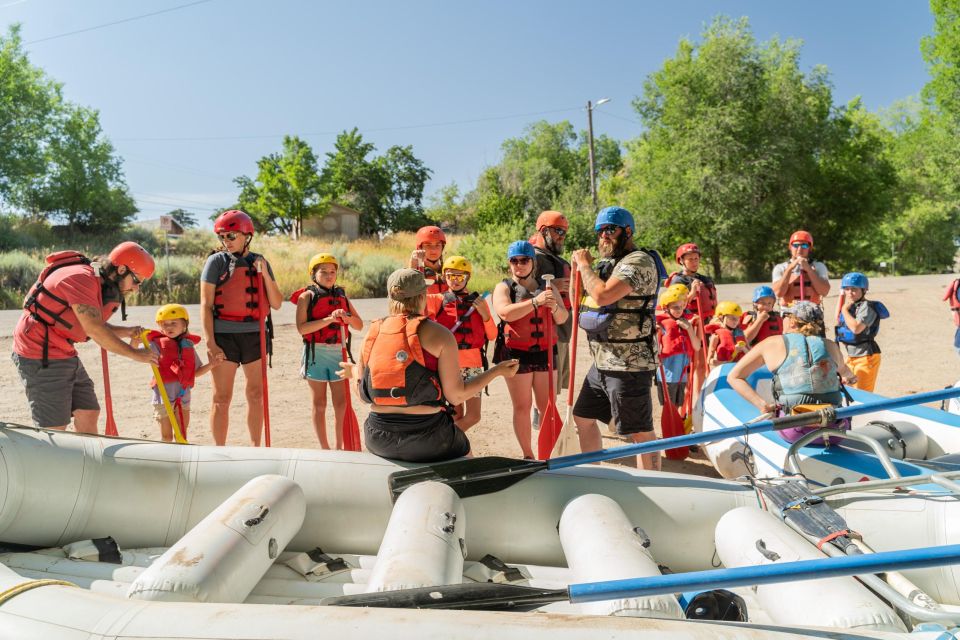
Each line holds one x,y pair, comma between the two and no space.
470,477
568,443
550,427
485,596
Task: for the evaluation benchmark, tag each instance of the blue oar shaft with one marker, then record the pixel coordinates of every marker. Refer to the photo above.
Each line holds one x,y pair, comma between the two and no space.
746,429
767,574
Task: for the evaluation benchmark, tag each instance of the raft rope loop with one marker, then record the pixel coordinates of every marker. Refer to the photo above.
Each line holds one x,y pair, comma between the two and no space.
27,586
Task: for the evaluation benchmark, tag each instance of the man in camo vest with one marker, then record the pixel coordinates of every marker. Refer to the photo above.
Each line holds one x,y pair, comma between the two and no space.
618,316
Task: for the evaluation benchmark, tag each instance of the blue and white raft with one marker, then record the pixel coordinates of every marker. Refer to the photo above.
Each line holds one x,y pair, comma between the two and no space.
911,442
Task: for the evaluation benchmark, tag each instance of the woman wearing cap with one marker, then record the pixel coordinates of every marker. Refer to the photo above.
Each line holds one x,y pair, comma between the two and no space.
409,372
230,312
524,309
804,365
323,316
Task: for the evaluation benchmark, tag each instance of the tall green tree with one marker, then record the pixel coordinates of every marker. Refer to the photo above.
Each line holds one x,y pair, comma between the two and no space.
184,218
941,50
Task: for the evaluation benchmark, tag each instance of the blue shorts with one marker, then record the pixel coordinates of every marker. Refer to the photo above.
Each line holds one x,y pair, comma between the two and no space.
320,362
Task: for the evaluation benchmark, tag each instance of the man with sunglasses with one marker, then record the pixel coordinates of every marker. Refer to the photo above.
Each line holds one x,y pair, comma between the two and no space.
71,302
618,316
552,227
801,278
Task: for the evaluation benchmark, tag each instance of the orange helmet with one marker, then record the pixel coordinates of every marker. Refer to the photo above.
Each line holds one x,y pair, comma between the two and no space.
684,249
552,219
802,236
133,257
233,220
430,234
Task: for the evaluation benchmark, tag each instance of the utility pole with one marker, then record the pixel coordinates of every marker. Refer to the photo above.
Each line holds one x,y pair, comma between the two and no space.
593,171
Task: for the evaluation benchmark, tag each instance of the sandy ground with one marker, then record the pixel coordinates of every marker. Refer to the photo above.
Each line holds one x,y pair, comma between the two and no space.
916,342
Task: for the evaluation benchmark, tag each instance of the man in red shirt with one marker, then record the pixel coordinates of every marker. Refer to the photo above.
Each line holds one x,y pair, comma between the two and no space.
71,302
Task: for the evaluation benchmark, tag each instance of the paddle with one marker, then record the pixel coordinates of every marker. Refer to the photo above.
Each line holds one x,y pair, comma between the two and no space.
263,309
671,424
550,424
178,435
351,428
111,426
478,476
505,596
568,442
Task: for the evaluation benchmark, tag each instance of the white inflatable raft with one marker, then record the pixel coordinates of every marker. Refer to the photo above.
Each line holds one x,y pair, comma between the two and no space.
194,542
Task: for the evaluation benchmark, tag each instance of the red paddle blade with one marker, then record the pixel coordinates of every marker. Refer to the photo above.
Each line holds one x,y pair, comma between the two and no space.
351,428
672,425
550,427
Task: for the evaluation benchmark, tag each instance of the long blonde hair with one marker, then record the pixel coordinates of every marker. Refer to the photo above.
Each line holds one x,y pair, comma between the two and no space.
814,328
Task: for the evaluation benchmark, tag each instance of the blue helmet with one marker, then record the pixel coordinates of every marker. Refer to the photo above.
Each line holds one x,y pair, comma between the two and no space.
520,248
763,291
616,216
855,279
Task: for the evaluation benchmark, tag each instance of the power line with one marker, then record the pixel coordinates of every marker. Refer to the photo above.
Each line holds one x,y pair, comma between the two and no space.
116,22
613,115
331,133
174,198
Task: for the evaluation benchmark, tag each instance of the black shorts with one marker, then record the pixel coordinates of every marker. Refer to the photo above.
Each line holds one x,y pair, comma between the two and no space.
623,396
414,437
530,361
242,348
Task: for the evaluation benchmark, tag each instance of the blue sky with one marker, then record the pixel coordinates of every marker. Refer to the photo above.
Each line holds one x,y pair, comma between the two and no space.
192,97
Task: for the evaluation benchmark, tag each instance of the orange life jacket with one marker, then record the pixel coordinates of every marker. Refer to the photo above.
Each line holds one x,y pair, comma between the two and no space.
399,372
178,362
322,304
471,333
729,338
772,327
793,293
526,333
706,296
53,313
674,339
237,294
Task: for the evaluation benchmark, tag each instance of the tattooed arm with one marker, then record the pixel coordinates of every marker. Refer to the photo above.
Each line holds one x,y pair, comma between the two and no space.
103,334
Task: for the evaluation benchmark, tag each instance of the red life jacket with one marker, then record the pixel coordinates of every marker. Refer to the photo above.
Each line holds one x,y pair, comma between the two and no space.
53,313
322,304
429,273
793,292
471,333
728,342
237,295
177,359
707,296
772,327
399,371
526,333
674,339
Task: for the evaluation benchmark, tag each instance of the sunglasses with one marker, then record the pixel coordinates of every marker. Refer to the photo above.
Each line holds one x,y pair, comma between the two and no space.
229,237
608,230
519,260
455,276
137,281
558,231
801,245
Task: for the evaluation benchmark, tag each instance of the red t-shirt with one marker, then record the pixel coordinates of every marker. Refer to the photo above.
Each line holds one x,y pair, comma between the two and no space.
76,284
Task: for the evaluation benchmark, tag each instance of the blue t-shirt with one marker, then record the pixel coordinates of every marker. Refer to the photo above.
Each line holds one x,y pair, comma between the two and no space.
215,269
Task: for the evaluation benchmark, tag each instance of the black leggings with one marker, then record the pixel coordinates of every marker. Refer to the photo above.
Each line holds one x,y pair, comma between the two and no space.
414,437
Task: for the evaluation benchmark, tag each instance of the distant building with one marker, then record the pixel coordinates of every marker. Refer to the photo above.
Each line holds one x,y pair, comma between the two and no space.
163,223
339,221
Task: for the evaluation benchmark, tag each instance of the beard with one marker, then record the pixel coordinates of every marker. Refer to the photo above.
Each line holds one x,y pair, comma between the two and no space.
552,245
612,248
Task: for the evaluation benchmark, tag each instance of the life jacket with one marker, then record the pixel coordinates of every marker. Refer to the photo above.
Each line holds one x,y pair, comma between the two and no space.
470,334
707,296
866,337
323,302
237,294
558,267
793,292
807,371
53,313
526,333
953,296
429,273
728,340
177,359
772,327
674,339
399,372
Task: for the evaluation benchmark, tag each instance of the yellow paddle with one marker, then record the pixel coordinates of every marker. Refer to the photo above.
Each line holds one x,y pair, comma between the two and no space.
177,433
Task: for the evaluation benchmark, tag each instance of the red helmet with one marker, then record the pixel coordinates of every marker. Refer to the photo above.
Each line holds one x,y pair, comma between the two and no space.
802,236
233,220
133,257
684,249
552,219
430,234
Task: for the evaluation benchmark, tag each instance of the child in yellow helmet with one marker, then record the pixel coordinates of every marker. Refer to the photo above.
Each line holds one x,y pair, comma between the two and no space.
678,335
727,341
179,366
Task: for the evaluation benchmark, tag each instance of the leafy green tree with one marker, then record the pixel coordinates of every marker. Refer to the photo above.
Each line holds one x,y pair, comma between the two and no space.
942,53
447,207
184,218
403,202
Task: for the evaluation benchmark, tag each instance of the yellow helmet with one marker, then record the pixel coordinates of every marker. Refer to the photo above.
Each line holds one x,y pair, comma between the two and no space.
674,293
172,312
458,263
727,308
319,259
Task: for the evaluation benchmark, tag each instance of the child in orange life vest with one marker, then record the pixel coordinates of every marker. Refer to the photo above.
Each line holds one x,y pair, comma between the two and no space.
427,258
179,366
727,342
763,321
679,339
468,316
322,311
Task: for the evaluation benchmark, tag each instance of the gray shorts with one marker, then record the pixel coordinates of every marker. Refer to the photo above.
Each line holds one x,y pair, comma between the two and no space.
55,392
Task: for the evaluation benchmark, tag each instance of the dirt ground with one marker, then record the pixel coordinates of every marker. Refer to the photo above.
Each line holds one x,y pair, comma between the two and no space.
916,341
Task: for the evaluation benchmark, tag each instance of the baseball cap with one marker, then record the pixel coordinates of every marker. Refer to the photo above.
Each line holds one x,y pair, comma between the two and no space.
804,311
405,283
